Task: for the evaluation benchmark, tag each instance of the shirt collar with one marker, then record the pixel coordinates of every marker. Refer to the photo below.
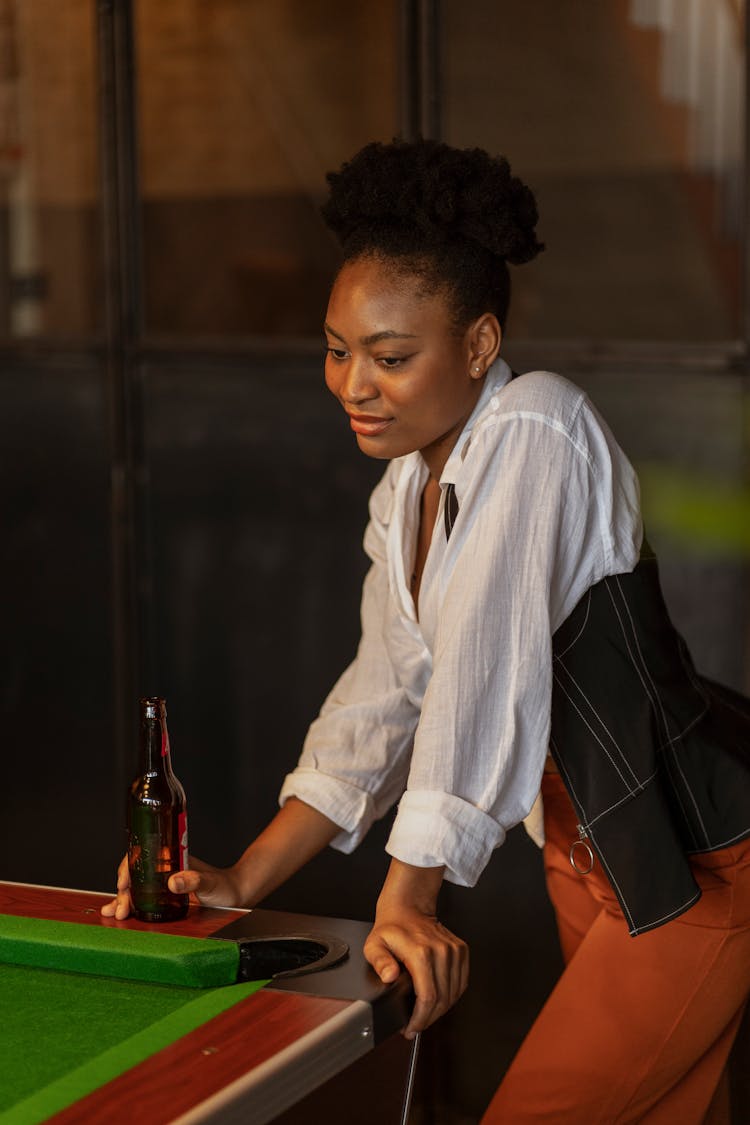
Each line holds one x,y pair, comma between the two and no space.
496,378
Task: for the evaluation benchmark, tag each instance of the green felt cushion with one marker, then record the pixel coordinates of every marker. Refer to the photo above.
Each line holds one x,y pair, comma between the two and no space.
112,952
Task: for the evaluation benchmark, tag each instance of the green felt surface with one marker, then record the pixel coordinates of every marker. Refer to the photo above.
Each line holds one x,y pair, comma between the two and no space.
109,951
64,1034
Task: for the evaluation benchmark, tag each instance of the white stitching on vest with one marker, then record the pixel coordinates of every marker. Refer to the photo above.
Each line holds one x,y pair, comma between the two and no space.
615,743
685,817
661,708
593,732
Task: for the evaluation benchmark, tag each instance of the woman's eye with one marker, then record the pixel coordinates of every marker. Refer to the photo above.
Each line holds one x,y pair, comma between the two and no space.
337,353
391,361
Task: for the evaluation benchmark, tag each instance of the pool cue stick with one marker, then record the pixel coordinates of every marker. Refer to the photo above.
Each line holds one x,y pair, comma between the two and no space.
410,1079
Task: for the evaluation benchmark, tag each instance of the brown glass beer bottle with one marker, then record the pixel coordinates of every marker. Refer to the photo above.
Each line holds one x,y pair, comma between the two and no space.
157,823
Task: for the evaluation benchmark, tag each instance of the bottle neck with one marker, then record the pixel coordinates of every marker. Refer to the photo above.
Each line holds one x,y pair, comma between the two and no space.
154,738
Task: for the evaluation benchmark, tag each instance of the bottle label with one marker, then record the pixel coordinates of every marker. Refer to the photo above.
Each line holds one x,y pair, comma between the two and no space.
183,836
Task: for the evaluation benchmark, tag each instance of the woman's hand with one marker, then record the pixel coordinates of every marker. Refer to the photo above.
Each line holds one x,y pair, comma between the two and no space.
407,932
210,886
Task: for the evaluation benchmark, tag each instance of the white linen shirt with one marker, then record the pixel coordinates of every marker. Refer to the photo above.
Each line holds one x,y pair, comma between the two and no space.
449,713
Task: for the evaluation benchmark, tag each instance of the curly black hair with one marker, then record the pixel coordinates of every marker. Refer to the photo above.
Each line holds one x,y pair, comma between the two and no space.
453,217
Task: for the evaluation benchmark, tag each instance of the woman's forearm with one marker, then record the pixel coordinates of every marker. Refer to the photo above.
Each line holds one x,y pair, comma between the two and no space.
413,887
295,835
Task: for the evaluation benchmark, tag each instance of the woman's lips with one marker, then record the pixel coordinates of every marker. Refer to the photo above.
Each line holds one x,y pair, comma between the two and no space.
367,424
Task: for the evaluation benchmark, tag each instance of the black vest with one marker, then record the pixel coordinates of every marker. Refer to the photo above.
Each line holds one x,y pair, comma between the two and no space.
655,758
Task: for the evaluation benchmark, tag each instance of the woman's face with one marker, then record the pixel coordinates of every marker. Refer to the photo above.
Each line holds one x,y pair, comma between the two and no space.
396,365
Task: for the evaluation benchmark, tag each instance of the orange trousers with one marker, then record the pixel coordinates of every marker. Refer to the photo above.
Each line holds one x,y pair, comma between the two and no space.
636,1029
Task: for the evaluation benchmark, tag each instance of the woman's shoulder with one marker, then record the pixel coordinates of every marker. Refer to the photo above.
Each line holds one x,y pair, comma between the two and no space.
555,408
542,393
537,406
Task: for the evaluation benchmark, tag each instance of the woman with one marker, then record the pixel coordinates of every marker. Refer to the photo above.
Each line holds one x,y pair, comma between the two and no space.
512,608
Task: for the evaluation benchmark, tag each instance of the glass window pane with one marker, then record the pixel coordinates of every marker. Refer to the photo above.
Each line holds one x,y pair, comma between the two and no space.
49,250
244,106
626,118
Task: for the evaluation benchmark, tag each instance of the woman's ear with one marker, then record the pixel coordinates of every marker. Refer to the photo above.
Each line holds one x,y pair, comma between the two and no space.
484,338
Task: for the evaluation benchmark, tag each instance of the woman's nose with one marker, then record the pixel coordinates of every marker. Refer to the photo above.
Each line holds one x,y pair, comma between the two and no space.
357,385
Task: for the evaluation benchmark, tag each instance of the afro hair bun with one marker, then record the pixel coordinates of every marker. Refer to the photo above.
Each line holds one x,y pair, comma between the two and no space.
437,192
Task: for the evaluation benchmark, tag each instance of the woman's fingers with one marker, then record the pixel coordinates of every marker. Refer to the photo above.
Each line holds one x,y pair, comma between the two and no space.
459,966
194,883
436,978
120,906
211,886
381,959
436,960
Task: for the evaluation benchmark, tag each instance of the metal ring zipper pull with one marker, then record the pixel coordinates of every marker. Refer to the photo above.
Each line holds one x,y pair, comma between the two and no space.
582,842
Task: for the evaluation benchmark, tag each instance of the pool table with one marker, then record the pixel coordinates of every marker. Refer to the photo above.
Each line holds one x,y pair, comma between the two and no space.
321,1047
